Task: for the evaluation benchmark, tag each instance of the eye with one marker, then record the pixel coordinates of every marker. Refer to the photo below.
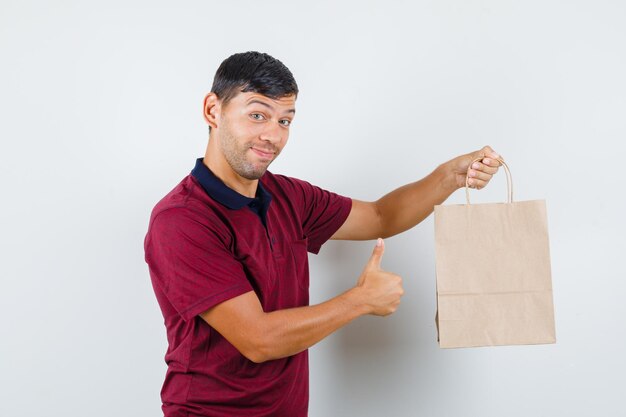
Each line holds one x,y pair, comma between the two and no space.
257,116
285,122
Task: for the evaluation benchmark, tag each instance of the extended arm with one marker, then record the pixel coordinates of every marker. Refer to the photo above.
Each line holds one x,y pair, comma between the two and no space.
264,336
408,205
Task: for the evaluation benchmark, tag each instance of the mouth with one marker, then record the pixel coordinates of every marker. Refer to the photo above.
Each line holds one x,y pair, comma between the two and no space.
264,153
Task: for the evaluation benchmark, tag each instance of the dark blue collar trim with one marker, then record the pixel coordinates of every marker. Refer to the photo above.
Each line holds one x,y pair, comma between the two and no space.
227,196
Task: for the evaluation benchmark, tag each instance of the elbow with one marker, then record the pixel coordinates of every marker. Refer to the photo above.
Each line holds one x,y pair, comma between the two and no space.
256,356
258,350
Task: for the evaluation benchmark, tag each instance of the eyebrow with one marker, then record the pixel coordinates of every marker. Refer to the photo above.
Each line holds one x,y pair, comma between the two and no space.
268,106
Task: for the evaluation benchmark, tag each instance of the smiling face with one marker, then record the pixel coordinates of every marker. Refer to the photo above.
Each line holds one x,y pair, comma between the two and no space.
252,131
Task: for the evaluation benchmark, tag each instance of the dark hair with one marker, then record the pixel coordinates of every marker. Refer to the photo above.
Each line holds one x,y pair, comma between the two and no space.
253,71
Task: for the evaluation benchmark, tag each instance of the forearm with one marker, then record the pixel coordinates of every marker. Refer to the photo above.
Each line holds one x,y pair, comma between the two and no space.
408,205
261,336
286,332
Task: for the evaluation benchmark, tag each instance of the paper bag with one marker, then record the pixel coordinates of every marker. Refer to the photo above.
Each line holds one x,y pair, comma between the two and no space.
494,283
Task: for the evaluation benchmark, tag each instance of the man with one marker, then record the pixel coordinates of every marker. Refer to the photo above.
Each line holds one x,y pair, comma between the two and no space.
227,251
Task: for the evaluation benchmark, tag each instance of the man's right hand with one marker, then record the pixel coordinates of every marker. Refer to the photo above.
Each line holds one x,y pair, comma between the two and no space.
261,336
381,290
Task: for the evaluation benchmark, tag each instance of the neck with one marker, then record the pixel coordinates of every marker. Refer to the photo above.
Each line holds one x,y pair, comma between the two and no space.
218,165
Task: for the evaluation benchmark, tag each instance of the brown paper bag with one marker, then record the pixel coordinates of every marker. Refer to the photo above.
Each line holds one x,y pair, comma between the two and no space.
494,283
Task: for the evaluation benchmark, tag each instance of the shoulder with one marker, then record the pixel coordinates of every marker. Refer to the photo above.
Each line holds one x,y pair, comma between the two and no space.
186,208
187,195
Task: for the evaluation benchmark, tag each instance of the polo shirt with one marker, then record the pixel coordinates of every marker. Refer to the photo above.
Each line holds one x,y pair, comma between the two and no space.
205,244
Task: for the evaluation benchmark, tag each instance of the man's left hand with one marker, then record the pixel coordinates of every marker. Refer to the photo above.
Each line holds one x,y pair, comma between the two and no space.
480,172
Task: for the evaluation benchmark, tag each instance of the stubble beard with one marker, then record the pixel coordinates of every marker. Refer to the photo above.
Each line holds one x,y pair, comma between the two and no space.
236,157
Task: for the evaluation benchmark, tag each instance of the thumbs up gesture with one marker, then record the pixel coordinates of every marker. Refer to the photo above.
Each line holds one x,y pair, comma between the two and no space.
382,290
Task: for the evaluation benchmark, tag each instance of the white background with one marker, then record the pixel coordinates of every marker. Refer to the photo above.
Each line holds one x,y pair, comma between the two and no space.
100,105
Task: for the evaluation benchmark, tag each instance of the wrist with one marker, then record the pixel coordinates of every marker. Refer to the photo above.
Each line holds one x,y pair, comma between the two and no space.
356,299
447,177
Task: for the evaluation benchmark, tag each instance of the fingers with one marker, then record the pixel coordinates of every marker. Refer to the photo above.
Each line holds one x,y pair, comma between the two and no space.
381,290
487,152
477,184
481,172
389,293
480,177
487,165
377,254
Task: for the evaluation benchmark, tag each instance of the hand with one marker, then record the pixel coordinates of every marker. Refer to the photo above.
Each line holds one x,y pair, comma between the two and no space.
382,290
480,173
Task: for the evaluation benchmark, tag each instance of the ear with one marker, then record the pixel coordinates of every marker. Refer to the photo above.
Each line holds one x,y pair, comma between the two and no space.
212,108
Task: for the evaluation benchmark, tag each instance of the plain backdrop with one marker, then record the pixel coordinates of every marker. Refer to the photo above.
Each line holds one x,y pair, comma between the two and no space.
100,106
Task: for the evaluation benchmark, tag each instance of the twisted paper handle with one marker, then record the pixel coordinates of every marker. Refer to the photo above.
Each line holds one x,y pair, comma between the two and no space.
509,179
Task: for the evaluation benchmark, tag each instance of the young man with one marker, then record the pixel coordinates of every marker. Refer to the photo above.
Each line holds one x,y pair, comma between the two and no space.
227,251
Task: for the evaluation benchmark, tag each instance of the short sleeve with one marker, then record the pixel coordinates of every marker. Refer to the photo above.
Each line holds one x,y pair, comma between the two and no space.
191,263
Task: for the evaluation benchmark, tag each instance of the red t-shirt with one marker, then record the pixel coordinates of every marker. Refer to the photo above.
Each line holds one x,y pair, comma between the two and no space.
207,244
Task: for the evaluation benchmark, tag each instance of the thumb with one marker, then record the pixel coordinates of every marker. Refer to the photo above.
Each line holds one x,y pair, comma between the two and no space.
480,154
487,152
377,254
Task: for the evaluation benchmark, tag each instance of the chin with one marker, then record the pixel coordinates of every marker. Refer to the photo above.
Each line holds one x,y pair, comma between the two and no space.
253,174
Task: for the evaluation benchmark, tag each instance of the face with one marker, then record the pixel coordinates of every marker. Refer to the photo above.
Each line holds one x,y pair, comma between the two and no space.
253,130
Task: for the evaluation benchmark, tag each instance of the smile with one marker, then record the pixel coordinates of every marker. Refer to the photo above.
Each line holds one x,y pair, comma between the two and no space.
266,154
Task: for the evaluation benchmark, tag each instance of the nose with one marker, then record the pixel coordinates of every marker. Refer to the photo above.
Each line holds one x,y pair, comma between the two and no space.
273,133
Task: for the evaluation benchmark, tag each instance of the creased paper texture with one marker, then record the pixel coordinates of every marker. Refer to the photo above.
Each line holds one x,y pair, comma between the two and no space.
494,284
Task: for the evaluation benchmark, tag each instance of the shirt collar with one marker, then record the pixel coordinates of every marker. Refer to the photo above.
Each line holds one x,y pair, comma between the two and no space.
228,197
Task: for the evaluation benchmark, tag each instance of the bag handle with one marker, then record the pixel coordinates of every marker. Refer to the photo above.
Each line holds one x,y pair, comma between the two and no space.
509,179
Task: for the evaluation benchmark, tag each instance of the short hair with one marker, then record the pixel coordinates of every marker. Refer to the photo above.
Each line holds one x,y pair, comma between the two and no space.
253,71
